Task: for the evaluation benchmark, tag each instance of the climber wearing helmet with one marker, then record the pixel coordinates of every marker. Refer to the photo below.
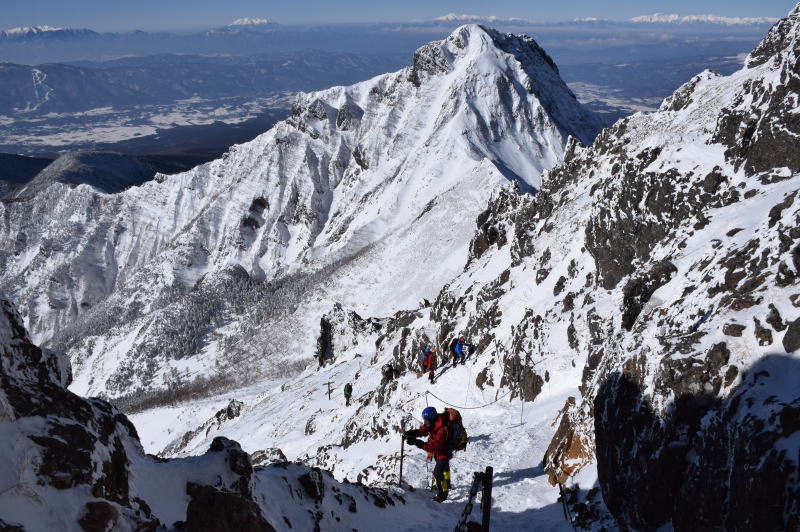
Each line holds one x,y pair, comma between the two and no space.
436,427
459,350
429,362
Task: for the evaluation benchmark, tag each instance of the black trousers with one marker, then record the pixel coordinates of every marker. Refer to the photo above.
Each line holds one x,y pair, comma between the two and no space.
441,476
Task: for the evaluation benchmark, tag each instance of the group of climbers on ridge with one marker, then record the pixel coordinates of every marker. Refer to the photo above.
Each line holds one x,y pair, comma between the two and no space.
459,348
445,430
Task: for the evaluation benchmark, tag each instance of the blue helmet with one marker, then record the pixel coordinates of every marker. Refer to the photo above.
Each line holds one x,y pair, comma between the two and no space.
429,413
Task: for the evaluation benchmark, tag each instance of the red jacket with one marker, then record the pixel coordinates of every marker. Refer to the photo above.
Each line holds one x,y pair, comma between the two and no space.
429,362
437,438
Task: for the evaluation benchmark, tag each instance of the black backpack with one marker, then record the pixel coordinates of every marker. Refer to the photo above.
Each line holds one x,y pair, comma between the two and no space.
453,345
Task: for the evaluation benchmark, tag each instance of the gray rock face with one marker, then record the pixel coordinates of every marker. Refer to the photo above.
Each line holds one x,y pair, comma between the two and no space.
791,340
709,463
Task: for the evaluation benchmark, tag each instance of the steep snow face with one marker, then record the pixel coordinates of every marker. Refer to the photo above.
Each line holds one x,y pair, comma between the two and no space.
652,284
371,182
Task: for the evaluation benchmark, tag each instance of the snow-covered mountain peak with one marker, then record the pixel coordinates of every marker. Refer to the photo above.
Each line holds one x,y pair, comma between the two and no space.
251,21
30,30
481,52
465,18
673,18
336,203
107,172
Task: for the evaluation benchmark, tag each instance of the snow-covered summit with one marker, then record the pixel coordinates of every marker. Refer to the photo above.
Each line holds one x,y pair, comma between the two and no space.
662,18
30,30
251,22
467,18
47,32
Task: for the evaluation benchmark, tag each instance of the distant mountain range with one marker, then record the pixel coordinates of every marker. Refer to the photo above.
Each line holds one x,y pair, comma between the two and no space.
246,36
661,18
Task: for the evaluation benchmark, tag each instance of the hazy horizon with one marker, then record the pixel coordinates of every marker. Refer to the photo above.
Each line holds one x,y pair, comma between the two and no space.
182,16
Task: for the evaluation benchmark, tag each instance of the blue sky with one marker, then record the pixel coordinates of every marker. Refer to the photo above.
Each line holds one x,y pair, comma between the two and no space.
115,15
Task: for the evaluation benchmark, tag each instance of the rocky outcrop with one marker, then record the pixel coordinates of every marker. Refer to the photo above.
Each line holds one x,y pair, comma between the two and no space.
342,329
212,510
760,128
68,450
710,463
682,397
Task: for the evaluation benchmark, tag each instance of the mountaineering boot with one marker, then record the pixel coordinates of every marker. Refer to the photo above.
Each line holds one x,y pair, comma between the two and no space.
440,498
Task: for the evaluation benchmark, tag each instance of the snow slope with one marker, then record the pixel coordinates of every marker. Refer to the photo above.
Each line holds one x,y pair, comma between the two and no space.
367,189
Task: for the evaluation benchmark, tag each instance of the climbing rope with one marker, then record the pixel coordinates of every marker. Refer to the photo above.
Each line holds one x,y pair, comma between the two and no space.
477,480
465,407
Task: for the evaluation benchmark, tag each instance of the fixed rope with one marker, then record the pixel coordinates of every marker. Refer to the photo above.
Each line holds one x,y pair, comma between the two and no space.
466,407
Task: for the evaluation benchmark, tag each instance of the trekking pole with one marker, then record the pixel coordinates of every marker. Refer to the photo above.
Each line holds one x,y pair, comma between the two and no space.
402,452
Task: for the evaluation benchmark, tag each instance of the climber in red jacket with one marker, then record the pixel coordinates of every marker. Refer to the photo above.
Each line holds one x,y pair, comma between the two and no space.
436,427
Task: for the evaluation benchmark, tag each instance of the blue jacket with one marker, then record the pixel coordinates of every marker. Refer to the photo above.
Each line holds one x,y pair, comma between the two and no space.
459,349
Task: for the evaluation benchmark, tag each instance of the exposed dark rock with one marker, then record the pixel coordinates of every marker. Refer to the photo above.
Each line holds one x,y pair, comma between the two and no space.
360,158
559,286
569,450
760,128
733,329
313,485
237,461
774,318
682,97
693,375
484,377
791,339
428,60
99,517
348,116
541,275
763,335
267,456
10,527
638,290
737,475
324,341
212,510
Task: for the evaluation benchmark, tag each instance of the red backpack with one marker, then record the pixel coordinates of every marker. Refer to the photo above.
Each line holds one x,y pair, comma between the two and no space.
457,438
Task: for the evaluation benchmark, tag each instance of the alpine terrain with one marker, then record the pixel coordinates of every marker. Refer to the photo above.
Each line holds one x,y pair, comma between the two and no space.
631,299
